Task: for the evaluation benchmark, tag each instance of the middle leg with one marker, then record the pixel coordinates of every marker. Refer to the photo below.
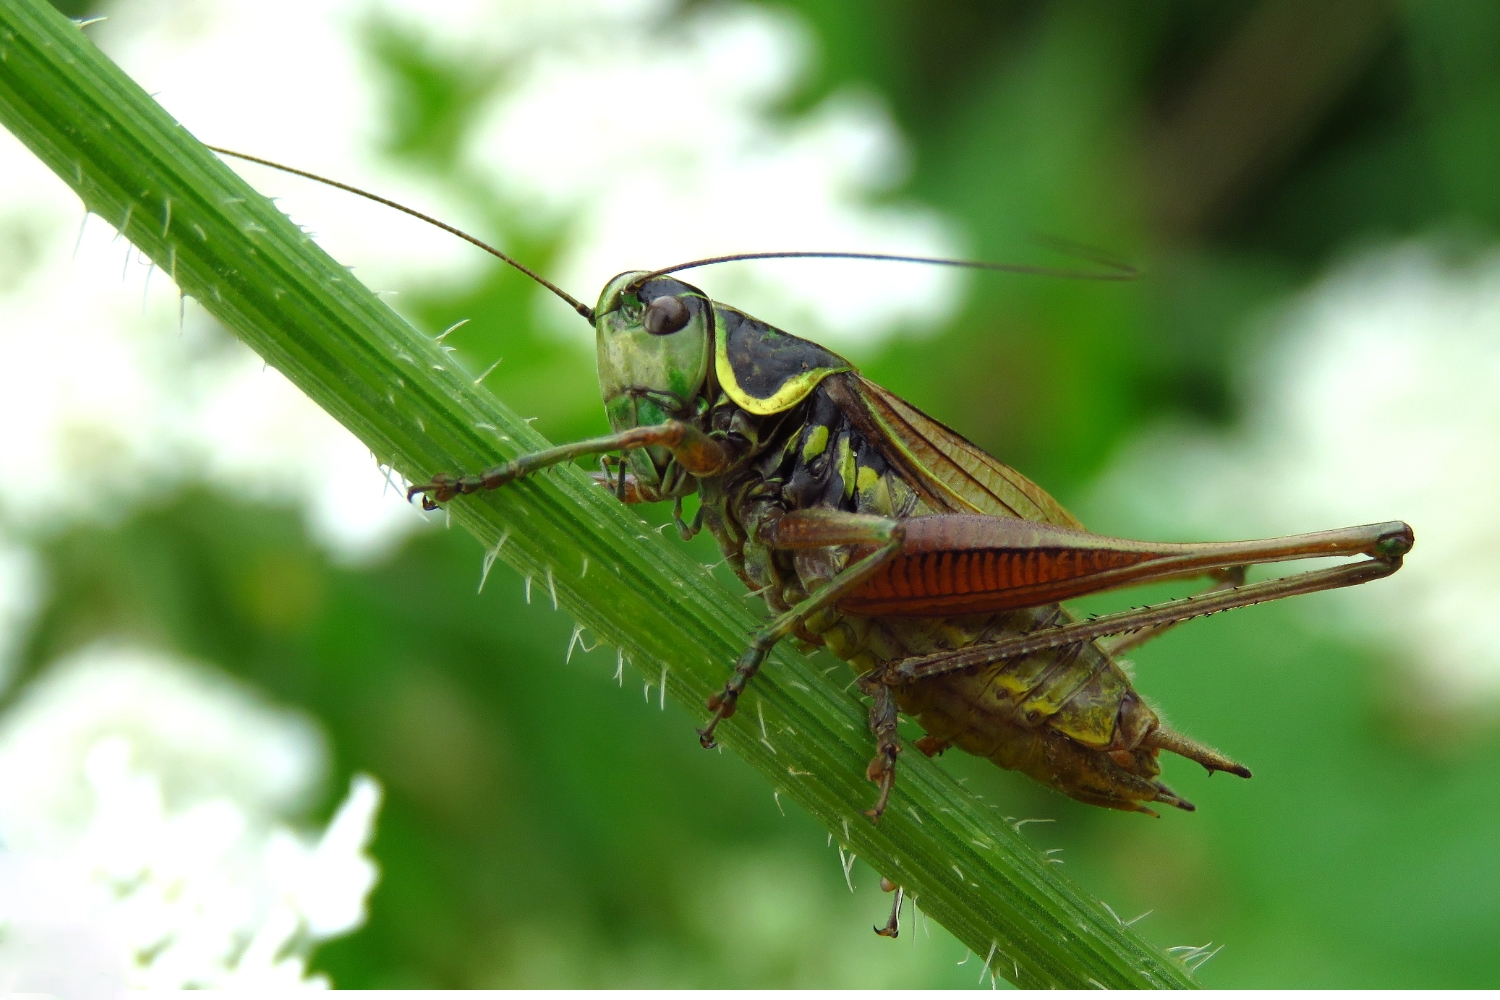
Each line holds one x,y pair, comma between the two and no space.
724,704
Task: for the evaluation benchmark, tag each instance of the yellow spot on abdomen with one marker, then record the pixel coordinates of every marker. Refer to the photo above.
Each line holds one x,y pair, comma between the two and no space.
817,441
846,465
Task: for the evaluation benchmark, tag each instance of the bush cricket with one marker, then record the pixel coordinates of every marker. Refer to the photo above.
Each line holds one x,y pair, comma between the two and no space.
934,570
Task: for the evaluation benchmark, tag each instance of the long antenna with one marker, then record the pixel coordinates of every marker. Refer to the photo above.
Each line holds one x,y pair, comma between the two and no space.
578,307
1117,271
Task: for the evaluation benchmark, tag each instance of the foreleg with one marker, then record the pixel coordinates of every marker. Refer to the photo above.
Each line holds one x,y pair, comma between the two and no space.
694,450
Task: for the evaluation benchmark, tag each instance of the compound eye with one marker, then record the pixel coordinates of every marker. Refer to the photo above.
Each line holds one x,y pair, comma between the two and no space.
666,314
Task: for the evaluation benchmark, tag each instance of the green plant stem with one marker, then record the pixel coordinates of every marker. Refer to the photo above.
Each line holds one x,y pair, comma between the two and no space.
402,395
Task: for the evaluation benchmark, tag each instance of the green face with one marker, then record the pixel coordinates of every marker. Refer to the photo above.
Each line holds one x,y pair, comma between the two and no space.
654,352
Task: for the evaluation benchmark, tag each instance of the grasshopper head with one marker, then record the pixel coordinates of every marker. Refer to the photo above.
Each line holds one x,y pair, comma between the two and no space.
654,350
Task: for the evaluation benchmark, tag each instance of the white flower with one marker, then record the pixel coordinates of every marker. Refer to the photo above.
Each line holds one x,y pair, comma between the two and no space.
659,133
144,844
1378,400
200,734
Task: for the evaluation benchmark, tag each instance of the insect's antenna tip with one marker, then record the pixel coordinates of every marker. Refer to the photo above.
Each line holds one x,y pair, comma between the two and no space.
1118,270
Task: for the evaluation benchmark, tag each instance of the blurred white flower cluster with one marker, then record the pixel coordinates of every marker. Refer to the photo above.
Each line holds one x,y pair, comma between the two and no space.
1378,399
657,133
142,835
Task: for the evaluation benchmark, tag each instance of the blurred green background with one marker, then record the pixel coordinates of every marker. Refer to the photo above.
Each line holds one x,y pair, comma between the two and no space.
545,827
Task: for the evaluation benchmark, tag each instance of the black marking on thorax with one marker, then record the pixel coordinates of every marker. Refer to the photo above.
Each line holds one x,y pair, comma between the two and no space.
764,358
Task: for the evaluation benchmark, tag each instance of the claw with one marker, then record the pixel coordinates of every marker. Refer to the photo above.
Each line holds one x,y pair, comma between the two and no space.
892,926
427,502
723,705
442,488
